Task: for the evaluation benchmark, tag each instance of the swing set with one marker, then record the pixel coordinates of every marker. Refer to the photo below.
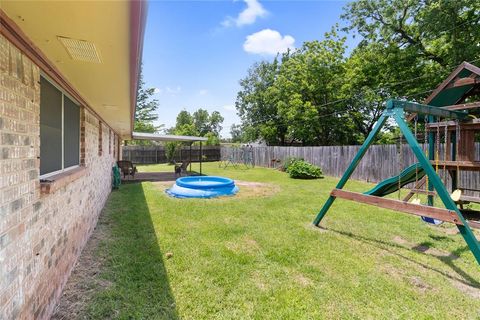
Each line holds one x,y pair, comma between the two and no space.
446,117
238,156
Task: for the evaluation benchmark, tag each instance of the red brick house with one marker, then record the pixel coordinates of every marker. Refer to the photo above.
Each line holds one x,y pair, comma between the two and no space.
69,74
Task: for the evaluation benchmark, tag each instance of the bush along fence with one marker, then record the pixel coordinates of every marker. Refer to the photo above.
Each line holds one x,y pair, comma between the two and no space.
156,154
379,163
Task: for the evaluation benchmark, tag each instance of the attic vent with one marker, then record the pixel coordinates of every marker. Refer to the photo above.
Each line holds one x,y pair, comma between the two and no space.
80,50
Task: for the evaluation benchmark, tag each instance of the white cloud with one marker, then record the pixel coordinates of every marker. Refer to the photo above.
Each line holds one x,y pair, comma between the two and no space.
268,41
171,91
253,11
229,107
203,92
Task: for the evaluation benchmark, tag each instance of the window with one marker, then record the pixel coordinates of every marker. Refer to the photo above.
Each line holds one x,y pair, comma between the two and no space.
59,130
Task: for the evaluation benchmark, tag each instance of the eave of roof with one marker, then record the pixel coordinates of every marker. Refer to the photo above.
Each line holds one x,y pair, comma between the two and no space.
107,90
165,137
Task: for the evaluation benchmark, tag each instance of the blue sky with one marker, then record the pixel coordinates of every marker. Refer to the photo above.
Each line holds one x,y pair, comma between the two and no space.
195,52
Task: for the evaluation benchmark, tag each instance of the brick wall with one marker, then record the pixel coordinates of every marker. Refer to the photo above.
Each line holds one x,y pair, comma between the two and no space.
41,235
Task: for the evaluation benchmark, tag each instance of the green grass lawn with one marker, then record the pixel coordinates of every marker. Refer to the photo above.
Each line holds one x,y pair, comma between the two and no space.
258,257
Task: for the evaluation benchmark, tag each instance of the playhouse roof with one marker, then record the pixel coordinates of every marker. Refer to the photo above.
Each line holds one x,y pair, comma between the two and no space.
463,82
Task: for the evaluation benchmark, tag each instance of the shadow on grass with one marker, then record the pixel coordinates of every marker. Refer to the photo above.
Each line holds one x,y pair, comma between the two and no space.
133,262
464,278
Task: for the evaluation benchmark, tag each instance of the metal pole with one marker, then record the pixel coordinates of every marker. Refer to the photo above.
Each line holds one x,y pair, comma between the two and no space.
190,157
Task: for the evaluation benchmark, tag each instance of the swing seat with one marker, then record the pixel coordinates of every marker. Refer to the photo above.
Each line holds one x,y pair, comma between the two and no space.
416,201
456,195
432,221
427,219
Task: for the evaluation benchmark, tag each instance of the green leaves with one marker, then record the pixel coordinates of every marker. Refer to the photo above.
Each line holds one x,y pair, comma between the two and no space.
301,169
145,109
200,123
315,95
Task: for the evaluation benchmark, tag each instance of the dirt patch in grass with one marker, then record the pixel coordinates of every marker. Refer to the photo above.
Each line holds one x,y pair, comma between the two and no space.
247,189
418,283
302,280
400,240
423,248
465,288
258,280
244,245
84,281
319,229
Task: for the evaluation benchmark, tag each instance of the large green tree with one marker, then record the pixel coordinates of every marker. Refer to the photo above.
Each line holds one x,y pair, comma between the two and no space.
443,31
307,88
316,95
256,103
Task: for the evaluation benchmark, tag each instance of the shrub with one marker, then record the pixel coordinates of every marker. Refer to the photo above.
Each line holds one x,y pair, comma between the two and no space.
288,162
301,169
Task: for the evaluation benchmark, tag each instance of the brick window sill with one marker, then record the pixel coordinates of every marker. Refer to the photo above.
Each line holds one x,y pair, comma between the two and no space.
58,181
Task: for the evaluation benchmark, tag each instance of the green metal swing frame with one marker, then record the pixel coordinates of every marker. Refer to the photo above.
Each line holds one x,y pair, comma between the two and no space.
396,110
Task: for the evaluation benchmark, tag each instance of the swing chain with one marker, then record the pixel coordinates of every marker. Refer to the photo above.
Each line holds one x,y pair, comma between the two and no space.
445,139
426,149
457,138
437,144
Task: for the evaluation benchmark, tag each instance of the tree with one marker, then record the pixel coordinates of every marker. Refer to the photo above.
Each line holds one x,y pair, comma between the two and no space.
257,105
237,133
215,122
145,111
443,31
307,88
184,118
200,123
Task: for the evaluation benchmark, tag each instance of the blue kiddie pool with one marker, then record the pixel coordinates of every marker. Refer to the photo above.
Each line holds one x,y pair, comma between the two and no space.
202,187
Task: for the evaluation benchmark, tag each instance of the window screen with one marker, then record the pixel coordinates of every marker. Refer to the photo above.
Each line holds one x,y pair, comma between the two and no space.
71,135
50,128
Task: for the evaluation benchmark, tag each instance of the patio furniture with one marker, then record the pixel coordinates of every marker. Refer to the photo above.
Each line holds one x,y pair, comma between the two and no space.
127,168
181,168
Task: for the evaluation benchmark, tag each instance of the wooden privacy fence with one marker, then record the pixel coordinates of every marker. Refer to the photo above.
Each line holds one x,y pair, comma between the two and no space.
380,161
156,154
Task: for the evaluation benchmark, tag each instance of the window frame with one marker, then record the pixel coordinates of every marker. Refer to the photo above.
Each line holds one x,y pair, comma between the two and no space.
64,94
